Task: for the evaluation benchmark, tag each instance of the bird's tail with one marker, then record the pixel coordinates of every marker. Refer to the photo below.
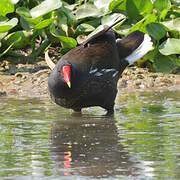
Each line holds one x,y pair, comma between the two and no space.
133,47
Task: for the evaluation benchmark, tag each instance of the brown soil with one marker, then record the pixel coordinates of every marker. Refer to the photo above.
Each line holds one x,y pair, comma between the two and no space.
31,80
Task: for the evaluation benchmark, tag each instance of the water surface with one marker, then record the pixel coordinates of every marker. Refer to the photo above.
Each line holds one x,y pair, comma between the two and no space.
40,140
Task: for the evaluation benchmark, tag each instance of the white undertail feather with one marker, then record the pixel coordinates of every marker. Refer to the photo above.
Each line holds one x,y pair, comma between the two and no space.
144,48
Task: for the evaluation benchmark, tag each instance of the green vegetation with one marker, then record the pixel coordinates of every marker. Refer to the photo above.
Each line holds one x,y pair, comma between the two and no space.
67,23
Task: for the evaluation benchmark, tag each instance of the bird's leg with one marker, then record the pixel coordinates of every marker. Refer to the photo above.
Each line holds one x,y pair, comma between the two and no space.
77,110
110,112
109,109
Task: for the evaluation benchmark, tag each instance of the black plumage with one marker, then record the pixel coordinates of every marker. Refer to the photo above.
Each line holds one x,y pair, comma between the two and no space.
96,67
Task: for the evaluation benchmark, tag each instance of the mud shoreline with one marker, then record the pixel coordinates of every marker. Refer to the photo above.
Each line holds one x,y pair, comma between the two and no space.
31,80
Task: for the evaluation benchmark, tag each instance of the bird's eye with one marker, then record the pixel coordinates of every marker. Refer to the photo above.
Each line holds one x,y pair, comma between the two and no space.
60,73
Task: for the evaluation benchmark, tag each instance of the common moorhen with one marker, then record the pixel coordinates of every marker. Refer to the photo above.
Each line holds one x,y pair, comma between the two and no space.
88,74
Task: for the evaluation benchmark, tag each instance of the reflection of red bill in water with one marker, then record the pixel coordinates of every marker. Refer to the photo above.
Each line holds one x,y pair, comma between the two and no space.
67,163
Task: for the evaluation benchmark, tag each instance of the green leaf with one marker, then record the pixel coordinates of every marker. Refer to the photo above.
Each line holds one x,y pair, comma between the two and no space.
162,7
43,23
141,25
5,28
64,21
66,42
172,25
136,9
156,30
70,18
148,57
22,11
170,46
117,5
84,28
64,50
110,19
164,63
15,1
71,7
65,28
2,18
2,35
123,30
22,36
25,24
102,4
5,51
163,14
45,7
88,10
177,2
61,18
95,22
33,21
7,25
6,7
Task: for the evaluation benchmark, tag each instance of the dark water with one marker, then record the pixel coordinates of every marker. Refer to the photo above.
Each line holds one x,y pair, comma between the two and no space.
39,140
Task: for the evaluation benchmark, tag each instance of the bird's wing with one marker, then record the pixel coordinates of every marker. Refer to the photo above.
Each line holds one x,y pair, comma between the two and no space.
100,53
99,80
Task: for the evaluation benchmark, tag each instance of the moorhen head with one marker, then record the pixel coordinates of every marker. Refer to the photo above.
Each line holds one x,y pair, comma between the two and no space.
88,74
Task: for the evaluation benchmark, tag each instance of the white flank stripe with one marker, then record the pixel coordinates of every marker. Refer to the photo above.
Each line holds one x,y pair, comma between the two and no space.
115,74
145,47
98,74
93,71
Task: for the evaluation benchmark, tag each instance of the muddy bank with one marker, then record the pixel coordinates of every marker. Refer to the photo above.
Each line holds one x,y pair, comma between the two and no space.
31,80
139,79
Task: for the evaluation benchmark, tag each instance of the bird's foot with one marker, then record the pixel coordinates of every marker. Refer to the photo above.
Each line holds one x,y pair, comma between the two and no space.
110,112
76,112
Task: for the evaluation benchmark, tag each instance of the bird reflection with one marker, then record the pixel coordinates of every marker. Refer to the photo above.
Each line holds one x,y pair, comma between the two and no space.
89,146
67,162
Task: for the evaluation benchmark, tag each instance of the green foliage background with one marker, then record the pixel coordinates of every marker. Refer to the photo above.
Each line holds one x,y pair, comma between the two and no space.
67,23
